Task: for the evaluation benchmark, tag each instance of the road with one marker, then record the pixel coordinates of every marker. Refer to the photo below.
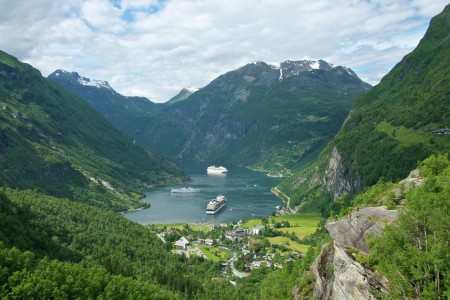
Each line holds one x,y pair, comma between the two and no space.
230,262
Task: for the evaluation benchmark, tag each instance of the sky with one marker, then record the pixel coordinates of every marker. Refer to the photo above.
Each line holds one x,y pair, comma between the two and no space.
154,48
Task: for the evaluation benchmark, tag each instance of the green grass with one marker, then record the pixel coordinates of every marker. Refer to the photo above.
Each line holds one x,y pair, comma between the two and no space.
281,240
300,232
215,254
303,219
202,227
296,220
408,136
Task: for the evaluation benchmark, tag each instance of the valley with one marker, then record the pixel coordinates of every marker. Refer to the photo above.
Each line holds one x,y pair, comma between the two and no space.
350,200
247,195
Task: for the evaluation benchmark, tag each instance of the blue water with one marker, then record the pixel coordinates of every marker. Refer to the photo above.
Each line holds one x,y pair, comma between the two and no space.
247,192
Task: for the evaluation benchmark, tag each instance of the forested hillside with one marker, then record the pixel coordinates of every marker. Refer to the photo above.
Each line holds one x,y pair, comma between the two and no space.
54,248
53,141
401,121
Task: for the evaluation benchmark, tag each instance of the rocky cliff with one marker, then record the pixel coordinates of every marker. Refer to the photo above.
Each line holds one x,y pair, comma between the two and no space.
338,274
338,178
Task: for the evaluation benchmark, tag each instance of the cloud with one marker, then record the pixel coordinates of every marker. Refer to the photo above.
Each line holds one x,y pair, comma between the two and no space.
154,48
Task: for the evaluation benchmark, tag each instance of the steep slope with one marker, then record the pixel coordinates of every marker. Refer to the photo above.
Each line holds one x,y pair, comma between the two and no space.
52,248
182,95
266,116
380,253
53,141
399,122
126,113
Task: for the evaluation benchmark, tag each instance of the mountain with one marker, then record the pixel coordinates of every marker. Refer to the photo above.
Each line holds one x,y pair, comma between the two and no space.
401,121
126,113
182,95
267,116
53,141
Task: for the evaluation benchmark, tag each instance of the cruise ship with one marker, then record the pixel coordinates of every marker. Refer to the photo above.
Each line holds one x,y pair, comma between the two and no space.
215,205
216,170
185,190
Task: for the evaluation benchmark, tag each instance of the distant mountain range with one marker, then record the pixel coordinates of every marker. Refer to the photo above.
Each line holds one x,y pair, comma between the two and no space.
53,141
268,116
401,121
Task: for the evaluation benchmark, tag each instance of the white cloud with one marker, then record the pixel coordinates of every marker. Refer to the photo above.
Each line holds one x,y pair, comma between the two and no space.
154,48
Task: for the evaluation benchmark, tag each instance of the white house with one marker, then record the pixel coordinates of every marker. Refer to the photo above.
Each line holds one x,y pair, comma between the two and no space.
182,243
257,229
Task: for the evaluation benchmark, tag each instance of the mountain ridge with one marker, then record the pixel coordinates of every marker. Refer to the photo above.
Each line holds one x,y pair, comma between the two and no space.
54,141
228,119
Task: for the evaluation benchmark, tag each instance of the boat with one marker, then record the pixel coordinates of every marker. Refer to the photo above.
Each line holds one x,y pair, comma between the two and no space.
185,190
216,170
215,205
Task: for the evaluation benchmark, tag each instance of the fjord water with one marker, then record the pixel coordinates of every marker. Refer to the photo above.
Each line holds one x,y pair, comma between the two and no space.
247,192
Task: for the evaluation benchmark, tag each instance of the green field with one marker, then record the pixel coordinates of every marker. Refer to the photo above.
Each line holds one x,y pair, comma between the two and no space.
215,254
287,242
192,226
409,136
296,220
300,232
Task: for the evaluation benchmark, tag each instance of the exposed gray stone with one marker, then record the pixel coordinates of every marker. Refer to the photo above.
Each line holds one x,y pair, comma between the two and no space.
339,276
352,231
338,179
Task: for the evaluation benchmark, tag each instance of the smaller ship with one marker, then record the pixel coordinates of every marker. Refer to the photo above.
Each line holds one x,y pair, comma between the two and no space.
185,190
215,205
216,170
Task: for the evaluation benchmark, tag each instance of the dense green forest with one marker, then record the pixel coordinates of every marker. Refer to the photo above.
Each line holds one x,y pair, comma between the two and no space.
54,248
414,253
53,141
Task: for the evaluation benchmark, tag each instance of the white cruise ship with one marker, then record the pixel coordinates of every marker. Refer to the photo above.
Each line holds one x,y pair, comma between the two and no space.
215,205
216,170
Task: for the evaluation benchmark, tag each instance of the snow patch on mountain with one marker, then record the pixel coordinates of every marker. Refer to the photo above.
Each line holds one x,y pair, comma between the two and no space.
93,82
193,89
314,64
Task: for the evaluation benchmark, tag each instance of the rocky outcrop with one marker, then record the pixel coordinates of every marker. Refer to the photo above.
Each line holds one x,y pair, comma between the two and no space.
353,231
338,274
338,179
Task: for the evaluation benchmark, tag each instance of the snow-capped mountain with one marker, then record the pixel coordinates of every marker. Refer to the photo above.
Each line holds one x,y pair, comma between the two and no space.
119,109
84,81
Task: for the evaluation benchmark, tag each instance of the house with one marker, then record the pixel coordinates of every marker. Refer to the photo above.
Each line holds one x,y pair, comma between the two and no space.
278,265
236,234
182,243
257,229
209,242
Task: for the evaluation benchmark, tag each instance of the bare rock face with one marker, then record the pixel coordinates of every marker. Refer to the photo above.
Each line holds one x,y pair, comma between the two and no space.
338,179
352,231
339,276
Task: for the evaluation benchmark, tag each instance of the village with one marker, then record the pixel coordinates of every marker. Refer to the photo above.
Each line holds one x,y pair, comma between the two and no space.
241,247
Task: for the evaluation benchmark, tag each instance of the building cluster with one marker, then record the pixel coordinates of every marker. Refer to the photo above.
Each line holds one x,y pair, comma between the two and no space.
238,234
